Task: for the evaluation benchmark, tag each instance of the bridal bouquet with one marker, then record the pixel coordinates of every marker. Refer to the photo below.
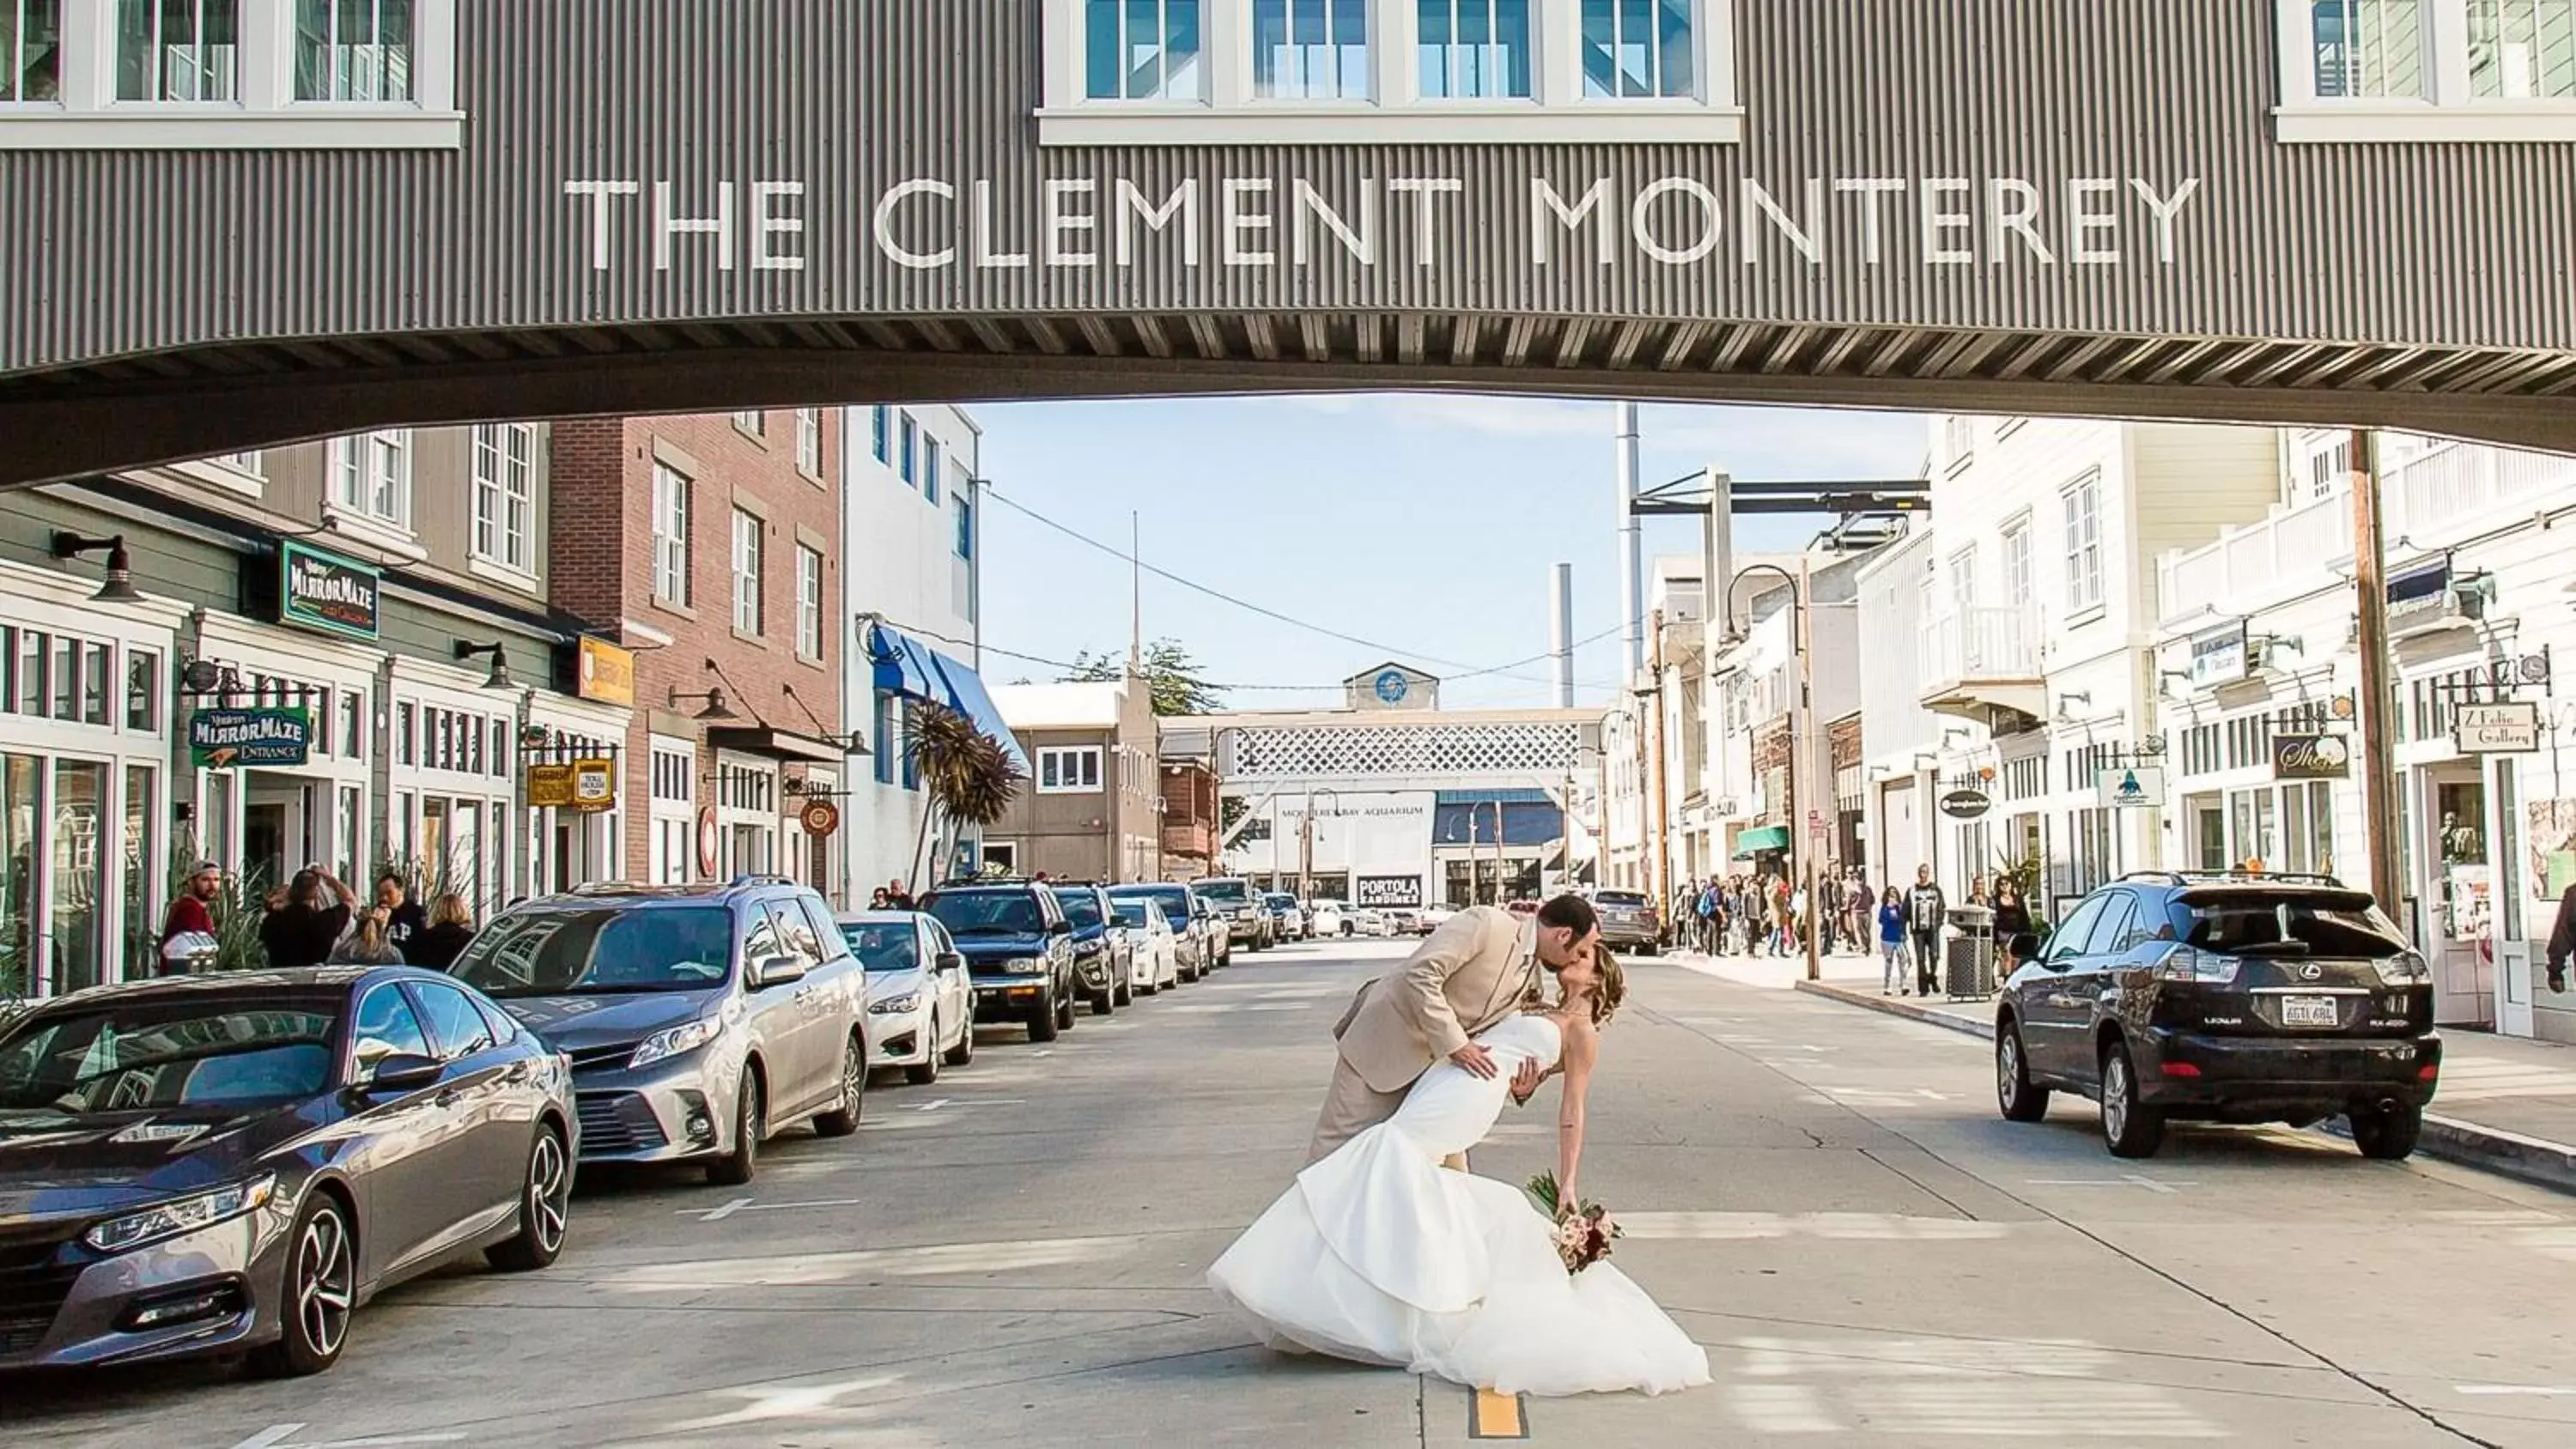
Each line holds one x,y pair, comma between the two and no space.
1584,1230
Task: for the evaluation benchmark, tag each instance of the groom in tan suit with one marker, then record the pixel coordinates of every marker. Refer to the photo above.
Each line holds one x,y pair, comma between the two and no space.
1469,974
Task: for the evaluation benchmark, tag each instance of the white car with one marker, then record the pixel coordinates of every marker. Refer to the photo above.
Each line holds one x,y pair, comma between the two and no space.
1370,921
1330,918
1156,961
921,1003
1291,916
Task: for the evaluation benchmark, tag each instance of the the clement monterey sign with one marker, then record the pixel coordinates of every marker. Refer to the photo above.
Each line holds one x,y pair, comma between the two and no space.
1417,222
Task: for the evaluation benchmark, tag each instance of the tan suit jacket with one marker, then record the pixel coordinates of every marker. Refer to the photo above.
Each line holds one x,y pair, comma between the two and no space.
1468,975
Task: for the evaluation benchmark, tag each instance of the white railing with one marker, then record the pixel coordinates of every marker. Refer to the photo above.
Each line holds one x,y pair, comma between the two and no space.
2442,492
1976,644
2289,551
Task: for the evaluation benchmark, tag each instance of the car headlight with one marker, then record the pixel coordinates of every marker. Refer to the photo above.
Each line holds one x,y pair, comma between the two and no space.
895,1005
1025,965
2403,969
688,1036
182,1215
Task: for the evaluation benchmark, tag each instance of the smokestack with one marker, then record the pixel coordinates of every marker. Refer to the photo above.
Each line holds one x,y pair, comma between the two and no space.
1561,614
1632,550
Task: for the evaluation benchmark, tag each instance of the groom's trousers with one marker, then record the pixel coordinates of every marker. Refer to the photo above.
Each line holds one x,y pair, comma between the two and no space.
1350,1108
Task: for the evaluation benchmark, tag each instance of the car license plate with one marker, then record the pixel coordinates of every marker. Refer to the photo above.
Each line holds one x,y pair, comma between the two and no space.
2309,1011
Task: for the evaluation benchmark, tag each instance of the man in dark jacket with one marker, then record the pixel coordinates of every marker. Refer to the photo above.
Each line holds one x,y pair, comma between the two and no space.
1926,911
2562,941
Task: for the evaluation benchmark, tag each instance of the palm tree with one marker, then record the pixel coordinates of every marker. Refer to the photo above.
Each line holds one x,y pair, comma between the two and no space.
967,774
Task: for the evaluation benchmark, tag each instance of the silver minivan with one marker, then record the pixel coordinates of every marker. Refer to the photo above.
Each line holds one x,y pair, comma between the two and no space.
699,1019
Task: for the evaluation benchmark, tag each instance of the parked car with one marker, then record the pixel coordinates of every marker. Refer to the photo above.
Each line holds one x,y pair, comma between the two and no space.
1434,917
199,1166
1197,936
1018,948
1290,916
1102,956
1406,921
2223,998
1154,953
921,1008
1330,919
1629,922
700,1020
1239,905
1370,921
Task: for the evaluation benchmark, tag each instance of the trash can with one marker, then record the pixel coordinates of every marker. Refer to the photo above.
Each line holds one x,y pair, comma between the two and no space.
1969,957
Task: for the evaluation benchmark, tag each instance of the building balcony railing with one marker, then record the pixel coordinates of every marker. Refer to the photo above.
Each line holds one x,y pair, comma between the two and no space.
2245,568
1979,660
1191,840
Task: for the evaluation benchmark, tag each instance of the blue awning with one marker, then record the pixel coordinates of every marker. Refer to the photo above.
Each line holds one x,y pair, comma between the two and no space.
906,666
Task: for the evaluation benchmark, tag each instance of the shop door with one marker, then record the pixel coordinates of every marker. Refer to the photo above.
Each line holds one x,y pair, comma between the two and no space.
264,844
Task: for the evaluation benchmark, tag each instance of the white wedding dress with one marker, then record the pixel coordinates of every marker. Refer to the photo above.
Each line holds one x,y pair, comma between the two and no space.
1379,1255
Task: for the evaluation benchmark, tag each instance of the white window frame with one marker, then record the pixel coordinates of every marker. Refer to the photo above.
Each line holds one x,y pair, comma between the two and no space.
503,477
1078,764
2018,582
1310,84
264,115
375,499
673,508
750,550
2448,110
1963,580
809,442
2085,585
1958,441
809,602
2324,468
752,423
1398,112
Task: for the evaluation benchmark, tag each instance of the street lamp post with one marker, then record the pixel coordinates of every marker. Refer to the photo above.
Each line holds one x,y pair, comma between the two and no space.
1802,855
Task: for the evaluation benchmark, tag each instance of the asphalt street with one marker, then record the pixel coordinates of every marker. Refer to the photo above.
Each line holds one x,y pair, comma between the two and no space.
1822,1196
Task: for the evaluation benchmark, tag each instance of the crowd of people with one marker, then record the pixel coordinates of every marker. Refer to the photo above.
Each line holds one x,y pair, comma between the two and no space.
1767,913
317,919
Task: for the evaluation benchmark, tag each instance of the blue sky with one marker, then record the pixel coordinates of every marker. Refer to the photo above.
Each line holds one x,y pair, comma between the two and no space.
1425,523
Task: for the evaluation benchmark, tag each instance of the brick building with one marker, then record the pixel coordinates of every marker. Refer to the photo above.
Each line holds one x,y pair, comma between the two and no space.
708,545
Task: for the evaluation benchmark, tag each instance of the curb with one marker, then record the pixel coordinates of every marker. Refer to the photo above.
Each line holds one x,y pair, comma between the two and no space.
2488,1149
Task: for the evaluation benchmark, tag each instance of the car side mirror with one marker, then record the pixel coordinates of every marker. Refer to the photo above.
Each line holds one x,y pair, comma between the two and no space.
949,961
1060,928
771,971
399,1072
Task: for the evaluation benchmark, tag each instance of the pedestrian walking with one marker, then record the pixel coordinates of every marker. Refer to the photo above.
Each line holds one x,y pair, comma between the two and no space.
1891,940
2012,920
449,932
1926,908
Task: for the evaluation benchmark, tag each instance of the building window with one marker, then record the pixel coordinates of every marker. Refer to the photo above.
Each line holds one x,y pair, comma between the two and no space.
2017,562
2328,466
2372,48
2522,50
1142,50
877,423
809,603
910,450
670,535
1069,770
751,424
2083,503
2428,70
746,571
930,463
964,507
142,691
809,441
1473,49
372,474
505,495
1310,50
1638,48
889,745
1958,440
1963,579
31,50
353,50
178,50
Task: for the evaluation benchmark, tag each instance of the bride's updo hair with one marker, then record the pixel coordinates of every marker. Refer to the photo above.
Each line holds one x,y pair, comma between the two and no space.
1611,990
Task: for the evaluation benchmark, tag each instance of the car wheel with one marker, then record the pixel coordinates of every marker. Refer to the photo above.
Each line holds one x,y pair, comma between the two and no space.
2020,1101
545,1209
2130,1127
1104,1001
1127,985
2387,1134
1153,985
1048,1021
743,1163
1066,1003
318,1296
926,1071
964,1052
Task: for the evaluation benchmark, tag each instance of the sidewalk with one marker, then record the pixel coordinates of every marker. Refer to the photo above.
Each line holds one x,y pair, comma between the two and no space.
2505,1106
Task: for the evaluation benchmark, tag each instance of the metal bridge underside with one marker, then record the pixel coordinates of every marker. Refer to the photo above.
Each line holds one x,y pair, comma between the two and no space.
145,409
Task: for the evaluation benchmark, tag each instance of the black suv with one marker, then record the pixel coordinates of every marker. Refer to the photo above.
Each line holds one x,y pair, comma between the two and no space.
1102,955
1018,948
2226,998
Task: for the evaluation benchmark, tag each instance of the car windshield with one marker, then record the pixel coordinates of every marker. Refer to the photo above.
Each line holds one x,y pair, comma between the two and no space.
2284,924
1225,892
1175,904
238,1053
601,951
884,945
1618,898
1133,912
987,913
1081,907
1280,902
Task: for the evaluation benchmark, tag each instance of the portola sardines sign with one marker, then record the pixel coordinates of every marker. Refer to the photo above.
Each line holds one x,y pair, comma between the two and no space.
222,739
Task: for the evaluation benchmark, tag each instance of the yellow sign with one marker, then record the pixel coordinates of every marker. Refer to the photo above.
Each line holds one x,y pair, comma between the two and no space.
594,785
607,672
549,786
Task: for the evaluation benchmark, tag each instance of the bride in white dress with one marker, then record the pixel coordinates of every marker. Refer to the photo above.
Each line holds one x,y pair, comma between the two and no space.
1380,1255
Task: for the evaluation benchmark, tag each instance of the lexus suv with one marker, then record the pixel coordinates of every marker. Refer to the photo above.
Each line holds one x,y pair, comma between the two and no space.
1018,948
2227,998
1629,922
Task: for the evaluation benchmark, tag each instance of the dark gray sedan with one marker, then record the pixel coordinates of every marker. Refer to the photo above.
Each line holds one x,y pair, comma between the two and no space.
221,1164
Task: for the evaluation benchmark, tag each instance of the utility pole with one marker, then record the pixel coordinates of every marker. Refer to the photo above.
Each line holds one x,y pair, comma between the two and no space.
1800,727
1135,592
2378,741
1659,870
1306,848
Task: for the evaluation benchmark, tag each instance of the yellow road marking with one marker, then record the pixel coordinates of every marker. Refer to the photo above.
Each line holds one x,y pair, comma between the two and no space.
1496,1416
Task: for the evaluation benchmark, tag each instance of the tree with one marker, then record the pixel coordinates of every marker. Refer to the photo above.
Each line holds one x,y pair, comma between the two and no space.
966,773
1177,684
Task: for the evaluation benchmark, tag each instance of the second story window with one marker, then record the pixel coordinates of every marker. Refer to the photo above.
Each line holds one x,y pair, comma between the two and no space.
178,50
809,441
2083,504
930,466
2427,70
746,571
670,535
2017,563
505,495
31,51
878,419
353,50
2522,50
809,603
965,508
909,465
1310,50
371,475
1142,50
1473,49
751,423
1635,48
2368,47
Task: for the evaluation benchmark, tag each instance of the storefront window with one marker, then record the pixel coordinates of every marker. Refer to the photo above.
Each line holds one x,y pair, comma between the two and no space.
349,829
79,820
67,658
142,691
32,647
142,930
467,855
215,831
353,723
94,676
18,966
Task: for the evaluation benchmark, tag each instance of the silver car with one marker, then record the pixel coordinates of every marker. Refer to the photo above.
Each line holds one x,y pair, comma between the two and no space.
699,1019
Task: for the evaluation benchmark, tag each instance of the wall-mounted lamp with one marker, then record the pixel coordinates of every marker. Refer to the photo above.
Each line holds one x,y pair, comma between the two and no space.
2071,697
716,709
499,678
119,587
2275,643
